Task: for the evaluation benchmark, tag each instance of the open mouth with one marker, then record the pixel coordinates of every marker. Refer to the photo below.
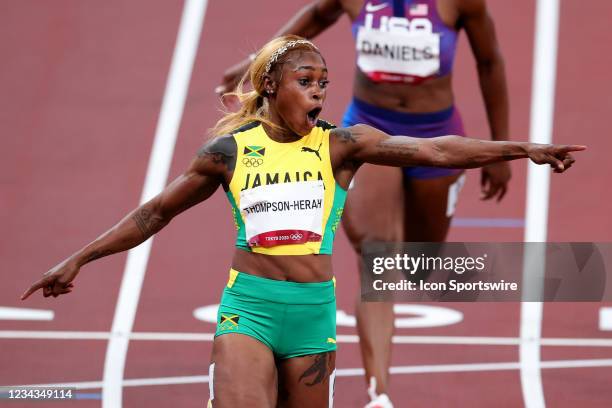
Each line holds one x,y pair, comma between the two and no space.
312,116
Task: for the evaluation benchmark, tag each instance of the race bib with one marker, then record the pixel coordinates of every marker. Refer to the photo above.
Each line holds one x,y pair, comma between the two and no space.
398,55
281,214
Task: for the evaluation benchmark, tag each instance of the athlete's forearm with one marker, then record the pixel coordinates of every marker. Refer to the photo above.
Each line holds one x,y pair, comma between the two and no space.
197,184
312,19
465,153
492,79
366,144
131,231
135,228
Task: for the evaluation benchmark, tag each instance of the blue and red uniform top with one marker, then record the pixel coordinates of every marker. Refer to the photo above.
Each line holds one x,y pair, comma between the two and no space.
403,41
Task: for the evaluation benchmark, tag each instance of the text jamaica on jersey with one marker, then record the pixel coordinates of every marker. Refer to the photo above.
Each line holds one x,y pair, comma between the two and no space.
253,180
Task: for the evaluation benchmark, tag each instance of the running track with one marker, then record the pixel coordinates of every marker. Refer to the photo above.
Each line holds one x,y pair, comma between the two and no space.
83,82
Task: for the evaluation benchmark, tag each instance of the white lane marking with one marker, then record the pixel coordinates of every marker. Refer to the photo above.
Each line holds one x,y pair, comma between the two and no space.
20,313
605,318
345,319
134,382
81,385
332,389
529,354
206,313
340,338
453,195
538,186
211,382
54,335
173,336
157,173
346,372
426,316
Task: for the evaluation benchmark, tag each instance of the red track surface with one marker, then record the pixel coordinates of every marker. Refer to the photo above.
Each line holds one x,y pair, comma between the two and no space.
82,88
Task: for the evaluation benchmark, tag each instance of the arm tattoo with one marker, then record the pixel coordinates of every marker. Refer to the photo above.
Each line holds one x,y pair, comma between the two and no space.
221,150
147,222
97,255
390,148
345,136
318,368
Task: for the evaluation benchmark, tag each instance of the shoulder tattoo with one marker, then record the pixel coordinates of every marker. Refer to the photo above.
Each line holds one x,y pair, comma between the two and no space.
346,135
221,150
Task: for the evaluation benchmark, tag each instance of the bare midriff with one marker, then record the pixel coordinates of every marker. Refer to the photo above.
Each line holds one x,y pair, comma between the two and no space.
293,268
431,95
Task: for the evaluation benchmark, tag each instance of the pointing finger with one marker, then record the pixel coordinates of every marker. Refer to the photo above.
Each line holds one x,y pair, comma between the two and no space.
572,148
33,289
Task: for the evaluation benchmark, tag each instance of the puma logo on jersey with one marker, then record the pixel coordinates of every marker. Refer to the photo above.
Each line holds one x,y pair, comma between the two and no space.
308,149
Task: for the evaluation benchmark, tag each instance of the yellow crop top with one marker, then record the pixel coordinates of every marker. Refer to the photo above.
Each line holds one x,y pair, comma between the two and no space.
284,197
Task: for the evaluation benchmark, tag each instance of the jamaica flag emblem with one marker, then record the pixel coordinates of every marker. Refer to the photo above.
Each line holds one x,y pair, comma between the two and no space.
228,322
254,151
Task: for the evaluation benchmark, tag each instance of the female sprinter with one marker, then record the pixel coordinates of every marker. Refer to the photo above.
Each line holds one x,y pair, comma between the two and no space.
285,174
405,51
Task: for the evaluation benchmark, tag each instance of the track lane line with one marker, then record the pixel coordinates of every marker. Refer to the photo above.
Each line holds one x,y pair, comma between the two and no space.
168,123
22,313
341,338
347,372
538,188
